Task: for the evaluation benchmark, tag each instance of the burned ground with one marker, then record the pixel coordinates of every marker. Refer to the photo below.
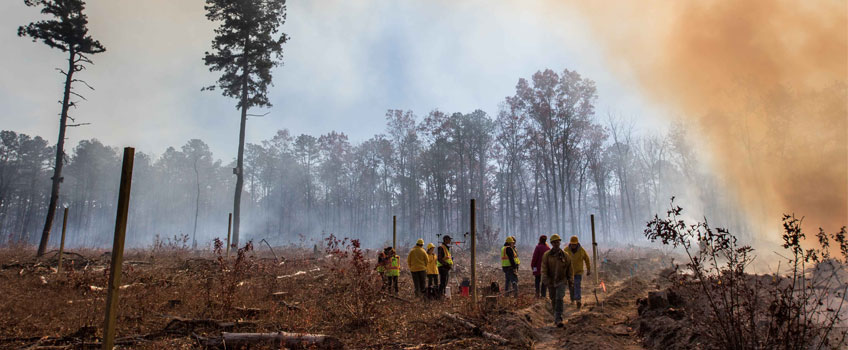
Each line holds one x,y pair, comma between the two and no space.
180,299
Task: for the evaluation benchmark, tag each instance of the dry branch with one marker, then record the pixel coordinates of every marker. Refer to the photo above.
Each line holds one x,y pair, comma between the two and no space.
477,330
390,295
278,339
299,273
187,325
290,306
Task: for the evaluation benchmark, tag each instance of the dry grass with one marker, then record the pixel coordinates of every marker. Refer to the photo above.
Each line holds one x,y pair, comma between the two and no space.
332,298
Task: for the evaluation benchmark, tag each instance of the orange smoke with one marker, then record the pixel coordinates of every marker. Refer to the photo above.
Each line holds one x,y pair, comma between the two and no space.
761,83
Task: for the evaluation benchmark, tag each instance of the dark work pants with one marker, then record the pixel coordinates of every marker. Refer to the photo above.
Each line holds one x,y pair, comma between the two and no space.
444,273
432,280
418,278
392,280
541,288
511,280
557,294
575,289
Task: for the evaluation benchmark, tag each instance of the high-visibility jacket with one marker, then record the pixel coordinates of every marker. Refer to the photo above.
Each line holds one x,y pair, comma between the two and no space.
578,258
431,264
505,259
448,259
393,270
417,259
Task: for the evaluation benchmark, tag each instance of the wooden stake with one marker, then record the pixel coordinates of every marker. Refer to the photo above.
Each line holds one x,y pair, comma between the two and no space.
394,232
594,251
62,242
118,250
473,255
229,231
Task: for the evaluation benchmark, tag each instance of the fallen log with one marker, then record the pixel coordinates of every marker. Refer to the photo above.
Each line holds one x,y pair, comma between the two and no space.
477,330
101,289
187,325
299,273
278,339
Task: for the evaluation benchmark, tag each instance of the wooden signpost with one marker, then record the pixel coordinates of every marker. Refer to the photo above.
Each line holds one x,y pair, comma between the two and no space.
594,251
229,232
62,242
473,232
118,250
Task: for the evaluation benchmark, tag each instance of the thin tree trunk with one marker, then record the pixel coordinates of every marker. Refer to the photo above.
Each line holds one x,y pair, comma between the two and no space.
60,153
240,160
196,206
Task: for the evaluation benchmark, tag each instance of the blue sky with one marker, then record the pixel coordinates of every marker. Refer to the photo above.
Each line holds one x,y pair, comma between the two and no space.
346,64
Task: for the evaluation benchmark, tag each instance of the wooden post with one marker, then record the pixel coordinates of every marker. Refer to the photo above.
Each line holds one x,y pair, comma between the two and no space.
229,231
118,250
62,242
473,232
394,232
594,251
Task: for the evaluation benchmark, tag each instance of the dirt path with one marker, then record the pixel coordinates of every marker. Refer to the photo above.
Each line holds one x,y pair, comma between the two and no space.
593,327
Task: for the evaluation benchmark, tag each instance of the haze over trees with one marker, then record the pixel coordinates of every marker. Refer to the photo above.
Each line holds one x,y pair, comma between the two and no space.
541,165
68,32
247,45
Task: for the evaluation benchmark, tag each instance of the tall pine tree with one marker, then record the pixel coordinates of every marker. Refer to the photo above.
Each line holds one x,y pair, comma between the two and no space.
68,32
247,45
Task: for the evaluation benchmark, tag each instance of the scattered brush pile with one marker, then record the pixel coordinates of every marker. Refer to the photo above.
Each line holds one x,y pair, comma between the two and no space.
715,304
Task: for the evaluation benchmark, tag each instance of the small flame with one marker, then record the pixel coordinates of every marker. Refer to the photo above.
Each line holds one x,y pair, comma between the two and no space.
603,286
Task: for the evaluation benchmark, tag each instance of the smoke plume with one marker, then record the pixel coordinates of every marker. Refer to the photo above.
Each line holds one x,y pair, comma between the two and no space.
762,85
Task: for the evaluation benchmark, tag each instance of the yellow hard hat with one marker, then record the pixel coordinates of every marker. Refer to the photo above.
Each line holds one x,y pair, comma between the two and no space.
430,245
510,239
574,240
555,237
420,242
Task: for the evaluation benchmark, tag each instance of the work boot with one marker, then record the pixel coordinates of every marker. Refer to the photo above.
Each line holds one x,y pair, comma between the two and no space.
579,305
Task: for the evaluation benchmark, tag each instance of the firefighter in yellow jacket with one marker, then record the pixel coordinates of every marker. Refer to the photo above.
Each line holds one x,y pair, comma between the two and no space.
432,269
510,263
417,262
578,258
393,271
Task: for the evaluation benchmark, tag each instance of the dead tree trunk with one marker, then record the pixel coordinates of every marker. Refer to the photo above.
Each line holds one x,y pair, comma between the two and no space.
60,154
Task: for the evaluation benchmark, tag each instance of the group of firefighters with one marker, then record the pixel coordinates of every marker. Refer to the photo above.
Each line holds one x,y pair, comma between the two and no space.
554,269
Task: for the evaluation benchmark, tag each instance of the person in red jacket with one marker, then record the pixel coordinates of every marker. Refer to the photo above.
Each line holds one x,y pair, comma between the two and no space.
536,264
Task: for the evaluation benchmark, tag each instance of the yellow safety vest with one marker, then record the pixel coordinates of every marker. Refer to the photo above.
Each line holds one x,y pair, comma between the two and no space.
394,267
505,259
448,258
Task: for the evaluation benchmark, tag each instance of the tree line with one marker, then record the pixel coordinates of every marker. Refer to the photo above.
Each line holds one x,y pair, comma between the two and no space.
542,165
